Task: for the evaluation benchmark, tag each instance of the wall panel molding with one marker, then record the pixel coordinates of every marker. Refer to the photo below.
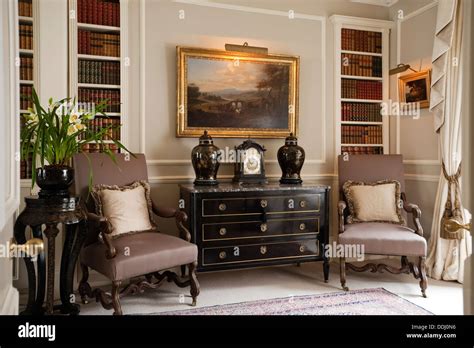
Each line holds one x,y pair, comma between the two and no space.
248,9
421,162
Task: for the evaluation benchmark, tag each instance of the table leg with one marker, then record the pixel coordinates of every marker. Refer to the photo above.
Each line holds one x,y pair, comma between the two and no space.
19,234
40,265
51,232
75,235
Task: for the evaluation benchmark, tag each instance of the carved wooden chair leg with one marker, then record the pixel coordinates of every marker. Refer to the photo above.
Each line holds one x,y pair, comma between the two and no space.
423,278
342,263
183,270
84,287
116,297
193,282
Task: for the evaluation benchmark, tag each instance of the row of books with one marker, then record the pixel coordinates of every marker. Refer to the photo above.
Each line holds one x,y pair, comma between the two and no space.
99,123
356,89
25,8
357,65
91,148
367,112
361,135
95,95
100,72
362,150
26,36
25,97
98,44
102,12
26,168
26,68
361,40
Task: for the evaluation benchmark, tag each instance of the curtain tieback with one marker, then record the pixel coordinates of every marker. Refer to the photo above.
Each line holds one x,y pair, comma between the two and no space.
450,212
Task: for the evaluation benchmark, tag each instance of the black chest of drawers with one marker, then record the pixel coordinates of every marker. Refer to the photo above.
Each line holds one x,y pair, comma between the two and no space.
238,226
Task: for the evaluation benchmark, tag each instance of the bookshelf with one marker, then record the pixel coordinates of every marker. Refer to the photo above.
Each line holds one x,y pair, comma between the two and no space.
27,30
97,62
361,51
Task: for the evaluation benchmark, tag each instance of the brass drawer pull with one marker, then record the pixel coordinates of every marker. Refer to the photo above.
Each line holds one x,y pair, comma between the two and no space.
263,203
222,207
222,231
222,255
263,250
302,204
302,248
263,227
302,226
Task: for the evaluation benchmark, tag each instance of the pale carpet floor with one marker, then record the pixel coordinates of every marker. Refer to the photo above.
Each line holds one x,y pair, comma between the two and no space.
219,288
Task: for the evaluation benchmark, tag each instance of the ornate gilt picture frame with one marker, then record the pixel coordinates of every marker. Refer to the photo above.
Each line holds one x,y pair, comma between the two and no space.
415,88
235,94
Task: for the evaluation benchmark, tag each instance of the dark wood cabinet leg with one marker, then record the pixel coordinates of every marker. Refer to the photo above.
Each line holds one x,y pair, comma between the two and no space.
193,282
326,270
51,232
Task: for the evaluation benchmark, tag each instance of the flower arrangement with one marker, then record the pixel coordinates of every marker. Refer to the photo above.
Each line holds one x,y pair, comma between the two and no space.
54,134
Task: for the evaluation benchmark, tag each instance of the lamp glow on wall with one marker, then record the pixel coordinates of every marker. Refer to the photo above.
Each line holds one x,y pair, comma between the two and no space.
245,48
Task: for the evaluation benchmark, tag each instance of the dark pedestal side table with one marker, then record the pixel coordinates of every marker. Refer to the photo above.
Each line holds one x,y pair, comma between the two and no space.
51,212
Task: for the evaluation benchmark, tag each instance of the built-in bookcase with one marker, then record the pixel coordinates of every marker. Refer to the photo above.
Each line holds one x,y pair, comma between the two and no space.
28,67
97,62
361,84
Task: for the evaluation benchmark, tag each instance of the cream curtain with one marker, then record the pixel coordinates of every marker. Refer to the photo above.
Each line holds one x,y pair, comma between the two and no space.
446,256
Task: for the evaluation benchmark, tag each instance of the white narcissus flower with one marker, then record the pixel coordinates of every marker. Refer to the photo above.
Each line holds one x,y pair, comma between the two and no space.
32,118
80,126
72,129
74,118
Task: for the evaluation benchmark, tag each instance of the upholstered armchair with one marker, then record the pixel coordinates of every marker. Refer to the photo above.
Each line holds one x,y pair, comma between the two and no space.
148,252
380,238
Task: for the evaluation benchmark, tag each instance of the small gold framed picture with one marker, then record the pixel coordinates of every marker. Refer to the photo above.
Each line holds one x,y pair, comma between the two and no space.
415,88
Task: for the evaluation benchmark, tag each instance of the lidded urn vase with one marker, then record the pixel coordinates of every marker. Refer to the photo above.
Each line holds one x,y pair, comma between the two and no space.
205,160
291,158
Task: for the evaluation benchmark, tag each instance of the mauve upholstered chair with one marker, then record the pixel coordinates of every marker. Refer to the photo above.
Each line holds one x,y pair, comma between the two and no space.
151,251
381,238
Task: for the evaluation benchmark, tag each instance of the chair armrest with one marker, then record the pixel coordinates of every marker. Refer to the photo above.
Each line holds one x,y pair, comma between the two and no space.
104,228
341,206
416,214
179,215
164,212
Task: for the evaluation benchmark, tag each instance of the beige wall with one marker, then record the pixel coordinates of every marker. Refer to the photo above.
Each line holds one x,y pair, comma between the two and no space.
154,32
154,109
412,43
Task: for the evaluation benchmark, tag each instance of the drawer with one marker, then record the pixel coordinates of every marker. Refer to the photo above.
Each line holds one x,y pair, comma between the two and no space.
259,229
259,205
260,252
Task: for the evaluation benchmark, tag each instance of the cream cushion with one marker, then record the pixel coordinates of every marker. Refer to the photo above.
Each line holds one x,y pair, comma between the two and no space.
374,202
127,208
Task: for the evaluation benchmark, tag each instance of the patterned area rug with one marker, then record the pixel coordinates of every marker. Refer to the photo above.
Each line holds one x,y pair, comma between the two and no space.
357,302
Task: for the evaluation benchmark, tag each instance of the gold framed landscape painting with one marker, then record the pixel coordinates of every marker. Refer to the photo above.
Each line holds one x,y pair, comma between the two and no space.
415,88
236,94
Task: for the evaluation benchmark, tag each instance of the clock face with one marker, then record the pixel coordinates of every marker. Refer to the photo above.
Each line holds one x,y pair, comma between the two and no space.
251,160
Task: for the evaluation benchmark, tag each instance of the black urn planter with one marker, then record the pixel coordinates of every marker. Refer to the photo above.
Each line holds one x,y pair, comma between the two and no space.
205,160
291,158
54,180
